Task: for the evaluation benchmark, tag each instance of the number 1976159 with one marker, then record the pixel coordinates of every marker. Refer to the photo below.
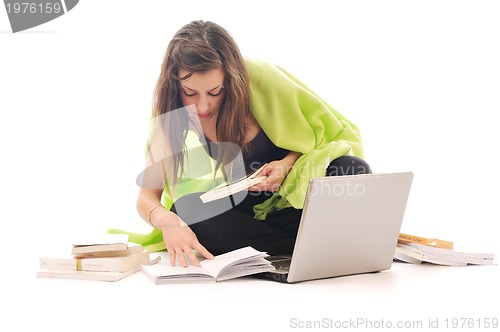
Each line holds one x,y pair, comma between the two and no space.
33,8
471,323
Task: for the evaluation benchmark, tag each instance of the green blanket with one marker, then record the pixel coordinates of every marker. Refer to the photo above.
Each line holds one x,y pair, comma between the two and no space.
296,119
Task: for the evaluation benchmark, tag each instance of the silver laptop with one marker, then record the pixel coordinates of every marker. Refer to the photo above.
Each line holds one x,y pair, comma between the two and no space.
350,225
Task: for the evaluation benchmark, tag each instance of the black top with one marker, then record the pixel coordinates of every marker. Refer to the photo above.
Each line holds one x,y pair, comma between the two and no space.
260,150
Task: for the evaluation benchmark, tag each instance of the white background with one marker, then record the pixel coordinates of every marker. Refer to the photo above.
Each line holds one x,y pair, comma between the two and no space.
419,78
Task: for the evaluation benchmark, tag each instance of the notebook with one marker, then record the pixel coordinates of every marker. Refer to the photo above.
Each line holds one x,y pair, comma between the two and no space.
349,225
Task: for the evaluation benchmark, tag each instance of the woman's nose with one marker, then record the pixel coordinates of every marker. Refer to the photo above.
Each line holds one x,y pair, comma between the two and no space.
202,106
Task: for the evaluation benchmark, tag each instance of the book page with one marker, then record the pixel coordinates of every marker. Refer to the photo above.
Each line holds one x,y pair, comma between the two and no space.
232,189
163,270
433,256
452,253
248,177
214,266
404,250
224,190
255,265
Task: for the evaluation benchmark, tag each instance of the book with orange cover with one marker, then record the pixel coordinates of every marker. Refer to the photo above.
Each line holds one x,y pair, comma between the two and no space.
431,242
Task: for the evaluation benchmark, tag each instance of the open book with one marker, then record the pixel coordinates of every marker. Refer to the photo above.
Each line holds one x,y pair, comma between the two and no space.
417,253
234,264
234,187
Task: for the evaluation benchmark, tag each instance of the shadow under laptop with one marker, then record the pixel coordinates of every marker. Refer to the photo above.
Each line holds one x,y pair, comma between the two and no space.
386,279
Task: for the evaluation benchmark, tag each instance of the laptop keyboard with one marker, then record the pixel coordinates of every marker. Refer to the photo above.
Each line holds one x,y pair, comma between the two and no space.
282,265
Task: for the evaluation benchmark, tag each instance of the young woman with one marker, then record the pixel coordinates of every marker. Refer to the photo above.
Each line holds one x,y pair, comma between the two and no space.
208,88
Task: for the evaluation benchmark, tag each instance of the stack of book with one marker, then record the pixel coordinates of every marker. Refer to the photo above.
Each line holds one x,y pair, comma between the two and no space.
417,250
109,258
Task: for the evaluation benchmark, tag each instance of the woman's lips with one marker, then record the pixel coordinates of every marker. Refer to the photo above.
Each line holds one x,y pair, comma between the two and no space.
205,115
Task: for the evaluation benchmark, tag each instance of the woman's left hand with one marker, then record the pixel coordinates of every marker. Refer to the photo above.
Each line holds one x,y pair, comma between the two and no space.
276,172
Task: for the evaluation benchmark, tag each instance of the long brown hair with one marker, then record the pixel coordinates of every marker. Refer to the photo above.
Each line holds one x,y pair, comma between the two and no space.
200,46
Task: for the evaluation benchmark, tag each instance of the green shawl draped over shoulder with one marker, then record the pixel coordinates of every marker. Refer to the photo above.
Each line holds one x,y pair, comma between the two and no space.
296,119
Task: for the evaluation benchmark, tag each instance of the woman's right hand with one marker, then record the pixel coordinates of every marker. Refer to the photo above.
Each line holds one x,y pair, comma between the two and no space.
180,241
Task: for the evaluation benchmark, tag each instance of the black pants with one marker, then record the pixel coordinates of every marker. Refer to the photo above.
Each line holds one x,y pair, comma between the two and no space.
236,227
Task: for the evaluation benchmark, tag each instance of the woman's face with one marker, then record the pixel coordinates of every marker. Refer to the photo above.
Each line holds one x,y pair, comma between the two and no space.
204,90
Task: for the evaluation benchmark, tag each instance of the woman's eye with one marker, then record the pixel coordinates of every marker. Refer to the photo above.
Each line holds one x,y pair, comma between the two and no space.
188,94
215,94
194,93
